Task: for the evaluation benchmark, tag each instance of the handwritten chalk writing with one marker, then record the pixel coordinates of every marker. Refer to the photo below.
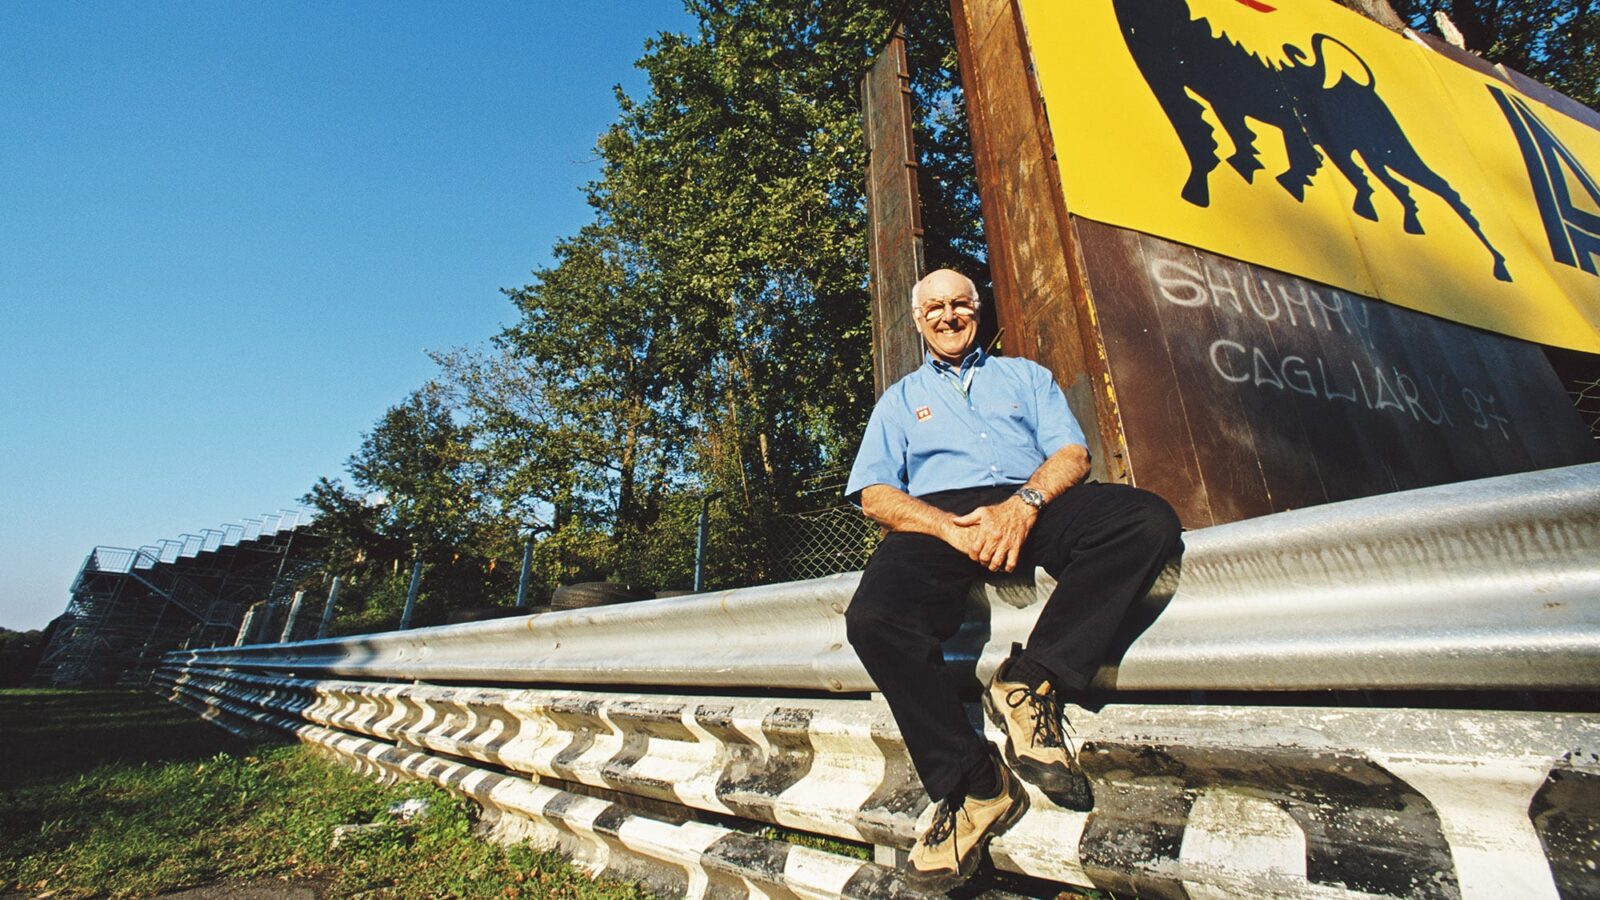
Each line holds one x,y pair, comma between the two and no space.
1370,385
1356,374
1179,284
1262,365
1289,303
1438,396
1483,413
1408,390
1328,393
1225,370
1386,393
1293,303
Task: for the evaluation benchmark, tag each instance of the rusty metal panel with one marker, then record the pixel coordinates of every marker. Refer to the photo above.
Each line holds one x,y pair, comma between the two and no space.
1039,300
1231,389
1143,375
1222,367
895,213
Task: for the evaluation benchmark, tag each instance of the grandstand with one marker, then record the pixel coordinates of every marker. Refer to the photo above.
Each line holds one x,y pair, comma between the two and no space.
128,607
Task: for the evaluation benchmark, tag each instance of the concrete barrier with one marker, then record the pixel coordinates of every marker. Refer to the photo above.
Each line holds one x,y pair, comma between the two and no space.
638,722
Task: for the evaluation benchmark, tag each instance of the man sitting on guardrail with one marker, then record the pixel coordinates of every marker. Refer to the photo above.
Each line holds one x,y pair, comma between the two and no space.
975,464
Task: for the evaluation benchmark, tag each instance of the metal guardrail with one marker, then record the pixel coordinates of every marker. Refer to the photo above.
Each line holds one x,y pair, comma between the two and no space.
1486,585
1491,585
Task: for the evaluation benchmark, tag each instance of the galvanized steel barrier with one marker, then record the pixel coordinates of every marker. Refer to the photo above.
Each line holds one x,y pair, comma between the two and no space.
652,739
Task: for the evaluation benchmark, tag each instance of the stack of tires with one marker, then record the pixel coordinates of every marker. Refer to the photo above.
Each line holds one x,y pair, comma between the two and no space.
596,593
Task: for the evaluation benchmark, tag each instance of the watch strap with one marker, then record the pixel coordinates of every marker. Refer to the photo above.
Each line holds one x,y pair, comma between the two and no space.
1031,496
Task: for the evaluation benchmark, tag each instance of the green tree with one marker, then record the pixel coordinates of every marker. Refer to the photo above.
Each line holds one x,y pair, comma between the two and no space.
740,177
418,495
576,408
1554,41
707,331
420,462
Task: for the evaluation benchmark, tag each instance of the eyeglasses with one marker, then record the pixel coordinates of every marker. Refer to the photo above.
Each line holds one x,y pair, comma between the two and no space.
961,308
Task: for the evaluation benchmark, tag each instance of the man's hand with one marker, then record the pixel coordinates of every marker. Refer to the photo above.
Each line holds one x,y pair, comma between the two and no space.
993,536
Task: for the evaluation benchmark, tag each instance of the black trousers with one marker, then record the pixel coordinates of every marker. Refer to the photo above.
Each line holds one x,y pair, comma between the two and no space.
1104,543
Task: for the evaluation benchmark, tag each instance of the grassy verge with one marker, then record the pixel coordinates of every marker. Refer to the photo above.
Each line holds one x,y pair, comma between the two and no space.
115,793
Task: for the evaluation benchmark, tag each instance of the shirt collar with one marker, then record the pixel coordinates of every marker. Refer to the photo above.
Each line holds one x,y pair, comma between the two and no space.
974,358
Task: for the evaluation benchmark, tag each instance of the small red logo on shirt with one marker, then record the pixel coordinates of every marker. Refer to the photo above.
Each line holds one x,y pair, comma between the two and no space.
923,412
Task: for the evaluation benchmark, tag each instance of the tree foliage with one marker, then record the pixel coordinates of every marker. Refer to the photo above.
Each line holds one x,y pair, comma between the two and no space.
706,333
1554,41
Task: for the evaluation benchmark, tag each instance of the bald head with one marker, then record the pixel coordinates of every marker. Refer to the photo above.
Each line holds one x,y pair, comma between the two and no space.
942,284
944,306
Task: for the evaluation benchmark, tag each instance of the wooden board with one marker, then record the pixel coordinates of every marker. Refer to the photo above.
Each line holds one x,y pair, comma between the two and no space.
1230,389
895,215
1038,295
1327,394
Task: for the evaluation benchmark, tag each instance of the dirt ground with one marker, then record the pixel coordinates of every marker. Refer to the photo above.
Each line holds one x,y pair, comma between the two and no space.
256,889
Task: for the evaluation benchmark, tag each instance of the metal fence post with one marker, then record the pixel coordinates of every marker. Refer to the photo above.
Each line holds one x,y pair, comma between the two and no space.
327,609
411,595
293,618
522,580
700,540
246,625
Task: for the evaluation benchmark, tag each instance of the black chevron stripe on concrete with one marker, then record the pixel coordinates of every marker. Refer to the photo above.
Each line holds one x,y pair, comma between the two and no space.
641,723
752,777
661,875
734,856
414,712
1365,828
1563,813
579,717
898,796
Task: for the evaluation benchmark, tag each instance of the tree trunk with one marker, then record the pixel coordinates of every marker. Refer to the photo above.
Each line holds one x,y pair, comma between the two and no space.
1378,11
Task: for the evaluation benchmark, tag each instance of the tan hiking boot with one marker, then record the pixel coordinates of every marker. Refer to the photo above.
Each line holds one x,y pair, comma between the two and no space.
1036,742
949,851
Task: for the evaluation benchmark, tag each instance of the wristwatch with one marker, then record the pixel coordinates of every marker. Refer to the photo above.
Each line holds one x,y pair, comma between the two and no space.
1031,496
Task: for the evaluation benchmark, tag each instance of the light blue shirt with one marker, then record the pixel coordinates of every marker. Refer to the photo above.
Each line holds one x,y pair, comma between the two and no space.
991,422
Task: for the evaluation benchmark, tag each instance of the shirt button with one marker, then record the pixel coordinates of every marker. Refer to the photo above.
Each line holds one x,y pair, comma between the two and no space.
994,468
983,434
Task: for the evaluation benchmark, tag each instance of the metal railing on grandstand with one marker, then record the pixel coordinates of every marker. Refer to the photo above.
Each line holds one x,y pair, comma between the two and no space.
128,606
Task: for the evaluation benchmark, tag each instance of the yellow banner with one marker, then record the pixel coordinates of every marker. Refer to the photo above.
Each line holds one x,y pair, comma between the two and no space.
1298,135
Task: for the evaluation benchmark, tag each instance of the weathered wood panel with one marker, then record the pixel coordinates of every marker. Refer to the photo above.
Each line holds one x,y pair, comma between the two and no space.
1146,379
1333,395
1038,295
1230,389
895,214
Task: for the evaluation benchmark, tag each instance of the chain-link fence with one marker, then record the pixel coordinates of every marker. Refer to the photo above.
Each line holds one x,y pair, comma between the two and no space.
1580,375
1586,398
821,542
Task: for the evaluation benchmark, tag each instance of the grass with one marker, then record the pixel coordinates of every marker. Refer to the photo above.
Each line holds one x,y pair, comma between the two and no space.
118,794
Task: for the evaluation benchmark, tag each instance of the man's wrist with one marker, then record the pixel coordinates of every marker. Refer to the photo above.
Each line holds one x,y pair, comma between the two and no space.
1030,497
1029,509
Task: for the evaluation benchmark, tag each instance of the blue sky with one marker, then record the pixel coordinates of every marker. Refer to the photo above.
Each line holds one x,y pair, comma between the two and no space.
229,231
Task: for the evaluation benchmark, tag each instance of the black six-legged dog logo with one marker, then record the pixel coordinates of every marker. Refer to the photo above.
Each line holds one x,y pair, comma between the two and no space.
1342,115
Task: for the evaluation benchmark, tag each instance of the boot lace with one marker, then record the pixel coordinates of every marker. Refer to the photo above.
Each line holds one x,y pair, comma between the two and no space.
943,824
1050,726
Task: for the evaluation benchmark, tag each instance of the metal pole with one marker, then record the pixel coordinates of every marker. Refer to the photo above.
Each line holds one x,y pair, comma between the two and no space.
245,626
522,580
293,618
700,540
327,609
411,595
